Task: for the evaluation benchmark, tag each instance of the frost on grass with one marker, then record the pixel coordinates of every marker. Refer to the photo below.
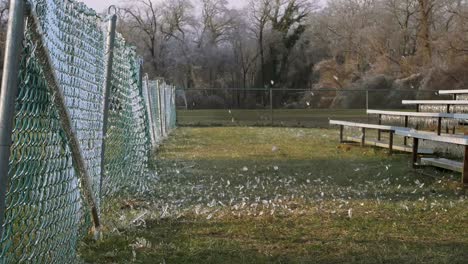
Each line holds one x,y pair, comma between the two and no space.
255,192
258,188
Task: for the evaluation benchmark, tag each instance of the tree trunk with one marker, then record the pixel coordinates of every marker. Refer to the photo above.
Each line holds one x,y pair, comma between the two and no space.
425,49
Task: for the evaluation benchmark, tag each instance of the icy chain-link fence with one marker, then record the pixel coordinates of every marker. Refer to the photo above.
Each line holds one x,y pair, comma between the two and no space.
160,98
46,213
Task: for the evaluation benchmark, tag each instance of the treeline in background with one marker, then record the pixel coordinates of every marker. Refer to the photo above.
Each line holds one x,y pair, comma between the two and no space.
208,48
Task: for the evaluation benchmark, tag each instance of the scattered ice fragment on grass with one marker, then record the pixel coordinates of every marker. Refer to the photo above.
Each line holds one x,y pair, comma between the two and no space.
308,103
357,169
308,181
209,217
245,168
229,111
350,212
274,149
276,168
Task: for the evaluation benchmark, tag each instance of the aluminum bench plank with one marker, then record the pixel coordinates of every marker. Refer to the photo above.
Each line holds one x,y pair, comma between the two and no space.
418,114
443,163
370,126
381,144
457,139
453,92
435,102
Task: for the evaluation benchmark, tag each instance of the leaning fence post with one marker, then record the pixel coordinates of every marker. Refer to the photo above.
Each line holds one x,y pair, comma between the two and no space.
149,110
8,92
164,108
158,87
107,88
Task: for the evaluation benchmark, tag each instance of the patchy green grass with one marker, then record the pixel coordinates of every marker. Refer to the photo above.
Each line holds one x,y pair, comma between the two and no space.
280,195
317,118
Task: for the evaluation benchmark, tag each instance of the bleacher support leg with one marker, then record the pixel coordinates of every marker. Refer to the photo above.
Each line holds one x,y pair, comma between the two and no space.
415,152
390,144
341,134
465,167
363,139
379,133
405,139
439,126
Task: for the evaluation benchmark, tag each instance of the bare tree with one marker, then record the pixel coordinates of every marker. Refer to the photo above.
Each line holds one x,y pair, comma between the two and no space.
260,12
217,21
424,38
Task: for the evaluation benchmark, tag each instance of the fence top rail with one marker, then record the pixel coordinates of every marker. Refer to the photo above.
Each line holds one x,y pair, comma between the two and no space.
370,126
300,90
434,102
453,92
418,114
451,139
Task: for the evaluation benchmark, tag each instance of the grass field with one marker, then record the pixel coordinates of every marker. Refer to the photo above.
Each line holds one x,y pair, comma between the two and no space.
316,118
283,195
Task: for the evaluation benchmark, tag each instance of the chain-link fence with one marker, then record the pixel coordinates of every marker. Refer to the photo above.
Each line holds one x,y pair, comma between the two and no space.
69,152
287,107
162,109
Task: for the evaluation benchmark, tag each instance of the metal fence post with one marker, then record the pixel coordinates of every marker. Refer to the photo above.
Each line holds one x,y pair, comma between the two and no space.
158,87
107,88
164,105
8,92
149,110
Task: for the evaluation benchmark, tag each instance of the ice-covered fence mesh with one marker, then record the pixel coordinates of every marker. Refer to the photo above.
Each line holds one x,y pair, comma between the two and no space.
147,99
155,110
44,206
161,98
169,106
127,142
74,37
45,213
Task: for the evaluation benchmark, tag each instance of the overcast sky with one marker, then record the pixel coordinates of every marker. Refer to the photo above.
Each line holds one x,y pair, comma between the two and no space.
100,5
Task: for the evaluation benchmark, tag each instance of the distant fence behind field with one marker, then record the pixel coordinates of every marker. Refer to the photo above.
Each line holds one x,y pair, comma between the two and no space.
77,123
286,107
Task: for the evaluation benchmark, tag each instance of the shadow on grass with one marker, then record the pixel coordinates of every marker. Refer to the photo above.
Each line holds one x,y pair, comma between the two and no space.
273,240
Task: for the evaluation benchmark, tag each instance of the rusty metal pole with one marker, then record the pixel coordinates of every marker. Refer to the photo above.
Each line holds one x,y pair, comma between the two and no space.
8,92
